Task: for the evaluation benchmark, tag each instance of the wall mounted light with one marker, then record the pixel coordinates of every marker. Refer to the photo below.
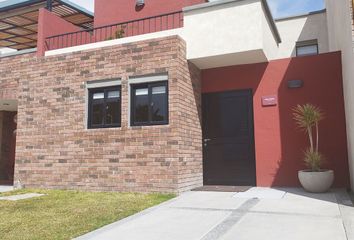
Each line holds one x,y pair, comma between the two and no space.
140,3
295,83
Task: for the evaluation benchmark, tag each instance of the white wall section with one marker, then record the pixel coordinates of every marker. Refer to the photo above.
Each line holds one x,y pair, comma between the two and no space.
302,28
226,33
340,39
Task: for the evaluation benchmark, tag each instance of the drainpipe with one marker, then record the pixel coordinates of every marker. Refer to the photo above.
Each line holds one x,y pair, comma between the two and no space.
49,5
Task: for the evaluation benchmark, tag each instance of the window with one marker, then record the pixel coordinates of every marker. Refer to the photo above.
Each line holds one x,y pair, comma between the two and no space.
307,48
104,107
149,104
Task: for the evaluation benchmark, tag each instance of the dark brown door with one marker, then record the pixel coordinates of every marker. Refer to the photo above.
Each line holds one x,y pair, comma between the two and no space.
228,139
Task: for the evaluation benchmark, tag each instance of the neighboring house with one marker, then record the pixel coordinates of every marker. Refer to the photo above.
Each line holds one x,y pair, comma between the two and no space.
168,97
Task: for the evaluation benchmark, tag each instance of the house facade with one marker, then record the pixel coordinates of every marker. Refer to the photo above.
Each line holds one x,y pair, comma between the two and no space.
152,97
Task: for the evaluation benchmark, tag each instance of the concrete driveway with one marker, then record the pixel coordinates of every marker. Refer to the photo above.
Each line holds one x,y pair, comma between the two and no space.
259,213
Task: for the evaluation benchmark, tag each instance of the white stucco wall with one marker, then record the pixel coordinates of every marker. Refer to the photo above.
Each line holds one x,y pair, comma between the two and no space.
223,29
302,28
228,33
270,46
340,39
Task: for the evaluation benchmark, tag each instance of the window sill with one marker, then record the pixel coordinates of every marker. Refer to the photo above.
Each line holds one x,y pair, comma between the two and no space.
149,126
103,128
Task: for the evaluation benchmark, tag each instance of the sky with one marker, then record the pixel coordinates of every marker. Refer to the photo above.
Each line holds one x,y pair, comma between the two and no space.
284,8
279,8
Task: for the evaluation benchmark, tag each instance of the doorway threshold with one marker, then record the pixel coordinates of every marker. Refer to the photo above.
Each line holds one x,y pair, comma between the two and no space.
220,188
6,188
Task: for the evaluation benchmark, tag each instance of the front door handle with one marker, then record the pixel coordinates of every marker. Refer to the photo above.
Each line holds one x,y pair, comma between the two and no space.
205,141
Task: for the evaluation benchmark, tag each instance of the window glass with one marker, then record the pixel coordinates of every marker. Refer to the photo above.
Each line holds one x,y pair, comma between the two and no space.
104,107
307,50
99,95
113,94
142,91
113,113
97,113
141,105
149,104
159,104
159,90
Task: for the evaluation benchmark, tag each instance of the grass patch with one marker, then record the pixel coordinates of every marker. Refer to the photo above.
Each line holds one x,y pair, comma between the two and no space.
67,214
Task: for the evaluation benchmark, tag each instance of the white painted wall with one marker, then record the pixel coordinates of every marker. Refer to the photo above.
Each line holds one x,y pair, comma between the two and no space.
223,29
270,46
340,39
302,28
228,33
6,50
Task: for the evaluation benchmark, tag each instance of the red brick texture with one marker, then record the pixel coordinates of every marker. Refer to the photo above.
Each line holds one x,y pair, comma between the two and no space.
10,74
54,148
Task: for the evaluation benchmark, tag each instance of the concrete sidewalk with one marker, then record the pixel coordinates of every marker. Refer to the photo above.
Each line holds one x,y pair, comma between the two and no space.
259,213
6,188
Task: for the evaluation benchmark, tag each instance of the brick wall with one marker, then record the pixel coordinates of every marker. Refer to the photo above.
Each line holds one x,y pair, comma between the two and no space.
55,150
189,130
10,74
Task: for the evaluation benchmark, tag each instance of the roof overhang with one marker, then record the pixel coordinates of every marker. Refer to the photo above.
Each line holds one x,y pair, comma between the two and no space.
19,20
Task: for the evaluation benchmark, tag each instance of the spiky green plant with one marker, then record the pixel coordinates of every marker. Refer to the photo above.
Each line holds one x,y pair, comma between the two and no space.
307,118
119,33
313,160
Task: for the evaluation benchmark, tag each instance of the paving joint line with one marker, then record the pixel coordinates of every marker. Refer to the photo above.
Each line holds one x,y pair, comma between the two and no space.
257,212
342,199
235,216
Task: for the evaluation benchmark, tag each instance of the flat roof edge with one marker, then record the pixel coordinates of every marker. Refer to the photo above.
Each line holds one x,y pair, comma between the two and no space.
301,15
20,52
209,4
271,21
221,2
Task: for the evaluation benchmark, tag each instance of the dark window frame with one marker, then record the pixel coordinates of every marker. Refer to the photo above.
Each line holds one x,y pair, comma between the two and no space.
149,86
105,100
307,44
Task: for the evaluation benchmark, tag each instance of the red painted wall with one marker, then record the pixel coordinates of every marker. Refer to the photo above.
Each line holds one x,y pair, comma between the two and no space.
279,144
116,11
50,24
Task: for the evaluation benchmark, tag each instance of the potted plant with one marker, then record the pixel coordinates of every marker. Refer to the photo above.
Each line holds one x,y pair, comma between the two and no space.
314,179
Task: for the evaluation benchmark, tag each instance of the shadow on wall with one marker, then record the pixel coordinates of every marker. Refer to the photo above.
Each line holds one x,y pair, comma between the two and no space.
195,75
322,80
322,87
313,30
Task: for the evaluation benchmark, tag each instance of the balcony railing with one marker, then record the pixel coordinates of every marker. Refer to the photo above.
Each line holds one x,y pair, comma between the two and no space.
115,31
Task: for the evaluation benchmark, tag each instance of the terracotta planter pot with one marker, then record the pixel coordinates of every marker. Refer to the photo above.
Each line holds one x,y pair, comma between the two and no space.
316,182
